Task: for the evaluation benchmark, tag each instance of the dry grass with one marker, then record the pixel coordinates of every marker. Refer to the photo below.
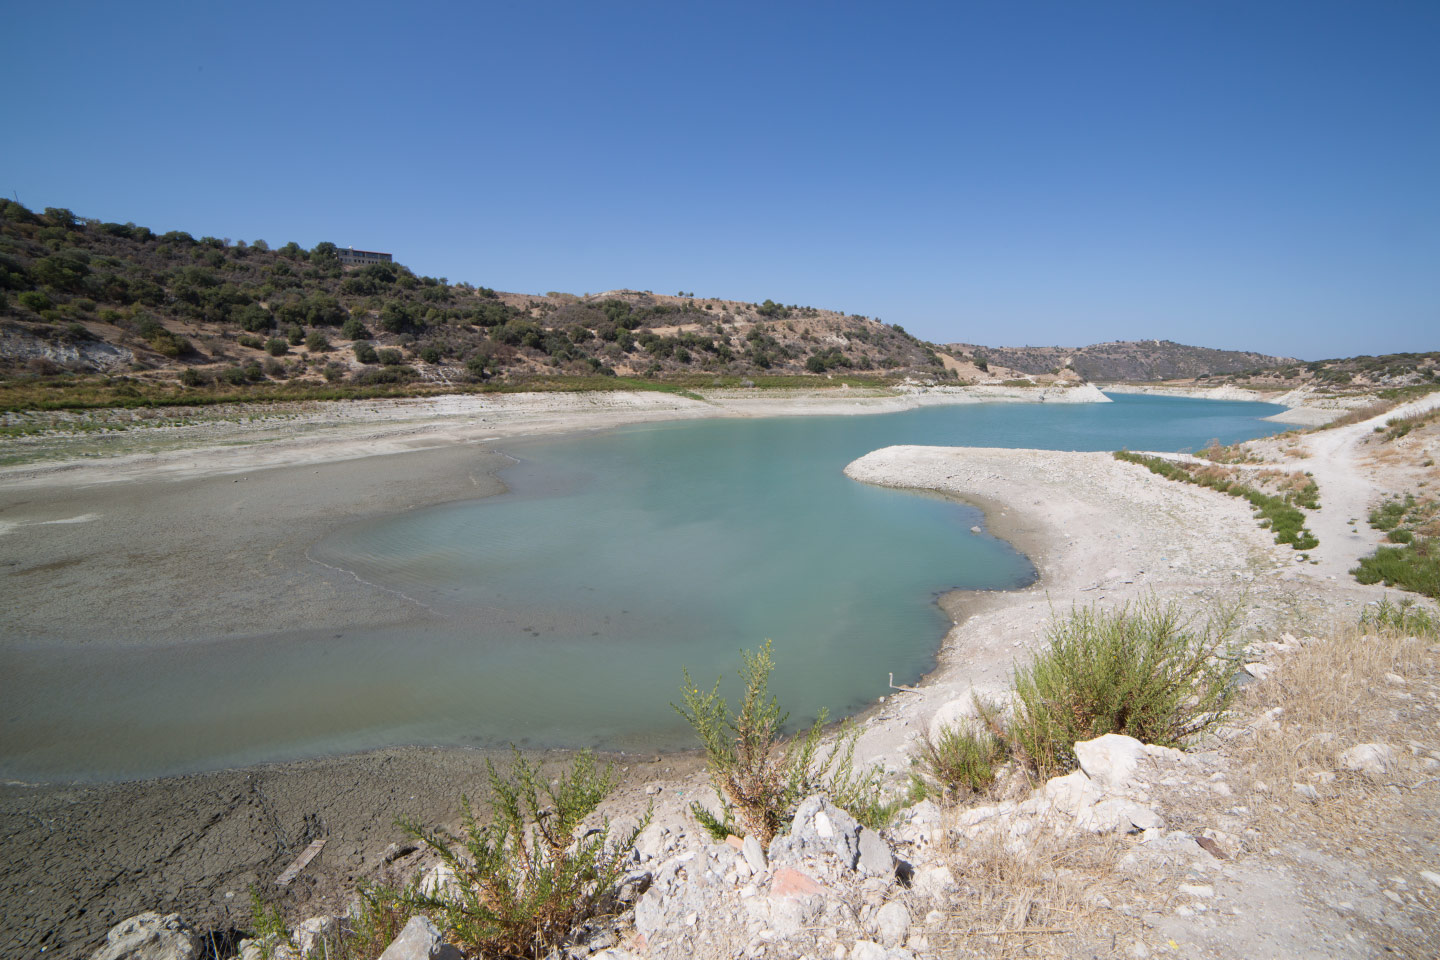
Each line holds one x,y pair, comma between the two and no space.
1334,694
1048,897
1359,415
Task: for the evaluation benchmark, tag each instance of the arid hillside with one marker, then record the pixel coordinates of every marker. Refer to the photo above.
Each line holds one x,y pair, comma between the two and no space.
1133,360
152,312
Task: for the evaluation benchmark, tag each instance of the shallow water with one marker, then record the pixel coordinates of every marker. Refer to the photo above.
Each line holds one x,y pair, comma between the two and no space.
564,612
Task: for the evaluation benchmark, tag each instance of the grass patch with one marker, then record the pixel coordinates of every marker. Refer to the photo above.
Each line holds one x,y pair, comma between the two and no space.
758,774
527,880
1280,514
1146,671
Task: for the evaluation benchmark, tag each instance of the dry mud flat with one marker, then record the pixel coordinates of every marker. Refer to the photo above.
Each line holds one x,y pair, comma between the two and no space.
79,859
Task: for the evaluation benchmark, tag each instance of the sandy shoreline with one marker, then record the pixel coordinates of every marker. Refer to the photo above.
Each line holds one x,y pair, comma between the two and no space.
1095,530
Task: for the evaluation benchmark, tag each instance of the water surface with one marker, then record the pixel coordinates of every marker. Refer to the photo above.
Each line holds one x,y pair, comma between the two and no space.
564,612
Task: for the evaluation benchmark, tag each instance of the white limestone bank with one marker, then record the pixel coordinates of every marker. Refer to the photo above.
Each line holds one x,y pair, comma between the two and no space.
1097,530
1307,406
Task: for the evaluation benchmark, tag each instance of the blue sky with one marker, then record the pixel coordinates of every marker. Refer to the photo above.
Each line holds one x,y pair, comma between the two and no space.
1243,175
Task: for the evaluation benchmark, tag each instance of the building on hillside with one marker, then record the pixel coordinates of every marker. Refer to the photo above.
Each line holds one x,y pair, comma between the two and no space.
351,257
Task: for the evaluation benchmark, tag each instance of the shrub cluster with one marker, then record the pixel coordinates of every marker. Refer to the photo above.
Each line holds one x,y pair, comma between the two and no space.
1146,671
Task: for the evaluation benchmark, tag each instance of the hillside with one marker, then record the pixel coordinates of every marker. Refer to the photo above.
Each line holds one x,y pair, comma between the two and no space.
1361,374
114,307
1120,360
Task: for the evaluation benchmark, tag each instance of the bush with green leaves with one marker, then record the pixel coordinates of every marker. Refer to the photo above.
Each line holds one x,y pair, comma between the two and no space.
1413,566
1146,670
1404,617
365,352
525,881
964,758
759,775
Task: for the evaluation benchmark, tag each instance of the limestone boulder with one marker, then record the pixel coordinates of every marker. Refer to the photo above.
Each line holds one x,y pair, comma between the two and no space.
150,936
1372,760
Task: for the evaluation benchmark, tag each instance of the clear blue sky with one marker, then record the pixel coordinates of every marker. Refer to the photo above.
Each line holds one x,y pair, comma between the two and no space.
1256,175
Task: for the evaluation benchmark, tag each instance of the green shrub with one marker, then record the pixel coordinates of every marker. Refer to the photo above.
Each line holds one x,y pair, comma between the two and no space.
525,881
34,300
390,357
354,329
757,774
1414,566
268,927
317,342
365,352
1403,617
1144,671
963,760
276,347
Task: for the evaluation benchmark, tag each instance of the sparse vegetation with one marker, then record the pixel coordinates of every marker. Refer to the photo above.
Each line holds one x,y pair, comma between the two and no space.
525,881
1280,514
1414,564
1404,617
760,776
158,298
1146,671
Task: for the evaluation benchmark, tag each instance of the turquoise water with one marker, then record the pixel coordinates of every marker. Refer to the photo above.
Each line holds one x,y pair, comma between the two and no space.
563,612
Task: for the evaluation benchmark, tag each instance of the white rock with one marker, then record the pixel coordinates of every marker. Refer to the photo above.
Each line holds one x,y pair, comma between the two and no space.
754,856
953,714
892,923
1072,792
439,882
1110,761
1124,816
419,940
875,859
823,826
1306,792
867,950
1259,670
150,936
1370,759
1432,877
1202,891
935,882
311,933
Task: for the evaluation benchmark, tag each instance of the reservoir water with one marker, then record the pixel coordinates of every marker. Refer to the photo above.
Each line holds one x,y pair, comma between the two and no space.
563,612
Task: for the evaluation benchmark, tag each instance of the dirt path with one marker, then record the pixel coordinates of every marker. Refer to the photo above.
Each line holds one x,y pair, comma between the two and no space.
1347,490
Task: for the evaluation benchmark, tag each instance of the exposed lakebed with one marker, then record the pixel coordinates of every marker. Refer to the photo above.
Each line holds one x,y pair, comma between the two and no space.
562,612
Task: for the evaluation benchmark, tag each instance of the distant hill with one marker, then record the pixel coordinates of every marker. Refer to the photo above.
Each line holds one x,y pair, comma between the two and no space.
1347,374
1134,360
170,312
